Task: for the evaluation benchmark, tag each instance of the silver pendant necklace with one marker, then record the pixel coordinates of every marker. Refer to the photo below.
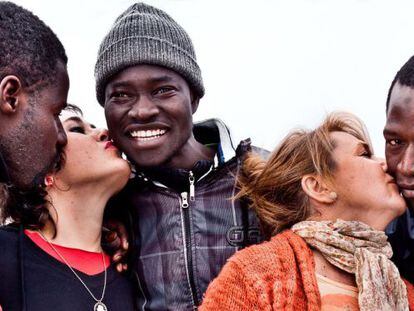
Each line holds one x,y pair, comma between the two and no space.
99,305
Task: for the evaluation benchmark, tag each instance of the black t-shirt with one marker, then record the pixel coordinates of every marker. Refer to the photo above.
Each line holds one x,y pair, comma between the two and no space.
31,279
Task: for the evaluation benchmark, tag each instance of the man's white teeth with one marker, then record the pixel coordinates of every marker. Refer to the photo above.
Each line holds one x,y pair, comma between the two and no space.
148,134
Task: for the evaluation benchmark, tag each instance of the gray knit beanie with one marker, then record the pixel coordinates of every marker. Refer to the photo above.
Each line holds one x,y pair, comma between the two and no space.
146,35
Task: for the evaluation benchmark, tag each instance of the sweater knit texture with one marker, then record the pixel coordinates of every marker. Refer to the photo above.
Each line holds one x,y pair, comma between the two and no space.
275,275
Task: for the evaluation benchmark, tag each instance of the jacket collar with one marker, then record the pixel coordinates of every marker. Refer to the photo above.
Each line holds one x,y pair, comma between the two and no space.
215,131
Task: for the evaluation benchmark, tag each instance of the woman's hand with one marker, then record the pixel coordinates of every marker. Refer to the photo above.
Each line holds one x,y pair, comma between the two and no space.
115,243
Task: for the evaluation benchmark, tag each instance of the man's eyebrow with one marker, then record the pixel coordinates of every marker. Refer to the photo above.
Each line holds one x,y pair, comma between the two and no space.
389,132
120,84
164,78
154,80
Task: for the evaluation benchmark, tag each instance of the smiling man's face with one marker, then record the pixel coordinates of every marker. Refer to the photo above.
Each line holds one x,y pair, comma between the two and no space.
149,114
399,137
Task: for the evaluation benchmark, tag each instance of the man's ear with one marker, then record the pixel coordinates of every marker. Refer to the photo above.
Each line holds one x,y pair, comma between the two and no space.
10,91
317,189
194,102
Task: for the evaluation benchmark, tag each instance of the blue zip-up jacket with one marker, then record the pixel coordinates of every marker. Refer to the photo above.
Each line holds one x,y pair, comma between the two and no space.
184,232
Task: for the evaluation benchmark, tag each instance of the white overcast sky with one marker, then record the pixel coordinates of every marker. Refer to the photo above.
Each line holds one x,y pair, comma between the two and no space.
268,66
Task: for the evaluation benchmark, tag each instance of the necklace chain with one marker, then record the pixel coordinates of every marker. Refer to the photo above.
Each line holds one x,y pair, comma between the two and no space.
74,272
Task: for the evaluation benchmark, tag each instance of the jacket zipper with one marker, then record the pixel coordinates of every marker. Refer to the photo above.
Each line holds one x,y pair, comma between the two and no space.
192,187
187,238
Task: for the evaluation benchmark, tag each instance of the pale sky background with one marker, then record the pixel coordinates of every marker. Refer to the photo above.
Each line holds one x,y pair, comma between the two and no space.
268,66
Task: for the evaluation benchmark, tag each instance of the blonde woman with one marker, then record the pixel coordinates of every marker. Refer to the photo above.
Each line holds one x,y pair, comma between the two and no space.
325,200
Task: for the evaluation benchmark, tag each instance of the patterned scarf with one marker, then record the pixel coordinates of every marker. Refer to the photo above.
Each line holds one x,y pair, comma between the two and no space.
356,248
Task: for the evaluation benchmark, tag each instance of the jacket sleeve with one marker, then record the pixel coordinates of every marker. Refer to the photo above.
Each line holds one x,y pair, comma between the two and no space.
231,290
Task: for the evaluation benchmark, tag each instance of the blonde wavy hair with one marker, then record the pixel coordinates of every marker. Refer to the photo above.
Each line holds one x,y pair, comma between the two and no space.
273,187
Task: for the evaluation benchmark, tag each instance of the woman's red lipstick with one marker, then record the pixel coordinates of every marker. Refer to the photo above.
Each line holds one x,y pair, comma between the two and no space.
109,144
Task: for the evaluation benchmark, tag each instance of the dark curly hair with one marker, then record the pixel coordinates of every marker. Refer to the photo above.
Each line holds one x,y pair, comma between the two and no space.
29,49
404,76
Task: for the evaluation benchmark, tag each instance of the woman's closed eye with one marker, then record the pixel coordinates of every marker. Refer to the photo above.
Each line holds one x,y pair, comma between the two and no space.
366,154
77,129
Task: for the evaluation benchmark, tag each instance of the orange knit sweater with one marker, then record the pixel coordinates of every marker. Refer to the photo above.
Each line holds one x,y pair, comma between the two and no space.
274,275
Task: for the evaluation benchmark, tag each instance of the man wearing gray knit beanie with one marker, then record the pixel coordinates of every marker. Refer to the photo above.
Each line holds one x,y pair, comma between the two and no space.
184,223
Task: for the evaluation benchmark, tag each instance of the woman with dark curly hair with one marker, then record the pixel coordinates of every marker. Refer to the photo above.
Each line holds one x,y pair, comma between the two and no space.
325,200
50,253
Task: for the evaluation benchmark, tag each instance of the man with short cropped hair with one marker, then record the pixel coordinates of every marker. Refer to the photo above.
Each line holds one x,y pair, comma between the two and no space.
399,152
33,90
34,86
185,223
